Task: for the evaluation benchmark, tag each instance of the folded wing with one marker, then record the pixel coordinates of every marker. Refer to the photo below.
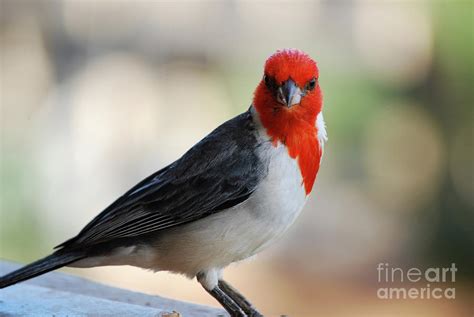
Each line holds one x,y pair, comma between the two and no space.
219,172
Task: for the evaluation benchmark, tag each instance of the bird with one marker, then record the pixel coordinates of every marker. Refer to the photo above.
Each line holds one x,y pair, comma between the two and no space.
227,198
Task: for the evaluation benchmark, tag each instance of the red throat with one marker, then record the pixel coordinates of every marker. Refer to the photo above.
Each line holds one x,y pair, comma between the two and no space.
293,127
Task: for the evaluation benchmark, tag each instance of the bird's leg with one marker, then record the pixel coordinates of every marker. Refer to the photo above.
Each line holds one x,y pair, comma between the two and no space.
225,300
229,305
239,299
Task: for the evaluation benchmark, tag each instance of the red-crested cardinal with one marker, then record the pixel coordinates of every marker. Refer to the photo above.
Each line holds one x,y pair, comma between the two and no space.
224,200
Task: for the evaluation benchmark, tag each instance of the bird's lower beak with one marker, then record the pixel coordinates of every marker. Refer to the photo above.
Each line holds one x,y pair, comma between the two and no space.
289,93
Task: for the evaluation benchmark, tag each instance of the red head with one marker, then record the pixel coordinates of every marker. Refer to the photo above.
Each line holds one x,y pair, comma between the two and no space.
288,100
289,88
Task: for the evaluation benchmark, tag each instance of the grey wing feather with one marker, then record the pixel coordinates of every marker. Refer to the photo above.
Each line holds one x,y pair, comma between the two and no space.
220,171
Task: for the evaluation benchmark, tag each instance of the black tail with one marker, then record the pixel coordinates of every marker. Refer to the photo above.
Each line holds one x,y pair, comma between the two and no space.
49,263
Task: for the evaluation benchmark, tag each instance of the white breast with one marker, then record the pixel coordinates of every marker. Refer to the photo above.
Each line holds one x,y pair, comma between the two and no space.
281,195
232,235
239,232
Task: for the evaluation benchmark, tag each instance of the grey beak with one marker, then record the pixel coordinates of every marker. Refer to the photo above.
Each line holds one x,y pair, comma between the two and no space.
289,93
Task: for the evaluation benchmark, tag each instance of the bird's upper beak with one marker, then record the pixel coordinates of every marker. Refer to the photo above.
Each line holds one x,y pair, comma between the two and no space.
289,93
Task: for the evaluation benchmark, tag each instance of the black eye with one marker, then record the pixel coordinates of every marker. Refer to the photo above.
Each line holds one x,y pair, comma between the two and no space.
269,82
311,84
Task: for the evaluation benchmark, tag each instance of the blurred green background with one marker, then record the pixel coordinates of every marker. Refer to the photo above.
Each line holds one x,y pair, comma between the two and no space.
96,95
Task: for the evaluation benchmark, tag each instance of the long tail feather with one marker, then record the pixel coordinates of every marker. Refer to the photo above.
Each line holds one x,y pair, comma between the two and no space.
49,263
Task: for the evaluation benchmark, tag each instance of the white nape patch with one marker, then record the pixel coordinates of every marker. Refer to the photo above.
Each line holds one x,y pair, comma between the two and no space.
321,127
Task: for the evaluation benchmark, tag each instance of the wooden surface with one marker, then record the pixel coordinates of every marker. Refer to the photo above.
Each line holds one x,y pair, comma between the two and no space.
60,294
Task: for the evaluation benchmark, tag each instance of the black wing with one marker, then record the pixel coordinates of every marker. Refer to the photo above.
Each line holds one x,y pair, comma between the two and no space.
220,171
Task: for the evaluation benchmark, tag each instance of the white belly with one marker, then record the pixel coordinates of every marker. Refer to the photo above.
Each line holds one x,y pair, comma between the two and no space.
212,243
228,236
235,234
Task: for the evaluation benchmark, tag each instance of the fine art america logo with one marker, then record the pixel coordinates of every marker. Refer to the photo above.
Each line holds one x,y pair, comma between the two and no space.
434,282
